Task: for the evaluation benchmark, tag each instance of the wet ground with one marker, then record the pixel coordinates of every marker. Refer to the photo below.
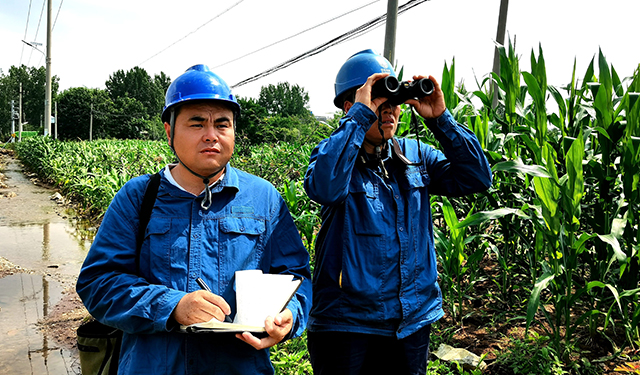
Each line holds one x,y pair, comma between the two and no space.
41,251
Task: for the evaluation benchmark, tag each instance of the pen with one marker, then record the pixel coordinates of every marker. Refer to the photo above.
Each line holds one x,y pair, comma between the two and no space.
204,286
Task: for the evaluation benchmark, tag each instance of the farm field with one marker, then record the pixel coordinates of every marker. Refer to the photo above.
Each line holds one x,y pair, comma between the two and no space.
540,274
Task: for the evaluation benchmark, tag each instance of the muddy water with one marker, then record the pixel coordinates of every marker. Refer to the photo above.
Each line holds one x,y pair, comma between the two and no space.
37,236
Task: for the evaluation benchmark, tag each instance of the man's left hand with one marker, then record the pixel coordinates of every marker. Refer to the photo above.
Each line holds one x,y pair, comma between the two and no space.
277,328
430,106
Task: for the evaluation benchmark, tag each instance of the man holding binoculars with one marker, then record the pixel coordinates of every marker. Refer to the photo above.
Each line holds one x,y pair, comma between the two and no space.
375,289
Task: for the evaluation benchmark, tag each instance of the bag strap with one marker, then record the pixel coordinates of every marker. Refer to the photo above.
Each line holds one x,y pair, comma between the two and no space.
148,202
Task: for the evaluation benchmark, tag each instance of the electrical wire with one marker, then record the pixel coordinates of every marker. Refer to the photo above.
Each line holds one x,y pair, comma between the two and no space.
358,31
199,27
37,28
57,14
295,35
25,31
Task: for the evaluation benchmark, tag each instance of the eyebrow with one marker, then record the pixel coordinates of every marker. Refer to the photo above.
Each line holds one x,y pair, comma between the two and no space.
198,118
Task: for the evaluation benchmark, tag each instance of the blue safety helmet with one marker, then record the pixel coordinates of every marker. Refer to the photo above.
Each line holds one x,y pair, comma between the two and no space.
198,83
355,71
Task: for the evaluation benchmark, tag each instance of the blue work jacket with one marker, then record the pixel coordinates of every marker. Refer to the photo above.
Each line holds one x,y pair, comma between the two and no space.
375,266
248,226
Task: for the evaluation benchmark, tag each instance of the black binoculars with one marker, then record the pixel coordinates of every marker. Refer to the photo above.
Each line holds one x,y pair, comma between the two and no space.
398,92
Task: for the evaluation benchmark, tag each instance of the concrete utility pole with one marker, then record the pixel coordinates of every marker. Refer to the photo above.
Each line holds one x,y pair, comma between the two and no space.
390,33
91,124
20,116
13,120
47,100
502,26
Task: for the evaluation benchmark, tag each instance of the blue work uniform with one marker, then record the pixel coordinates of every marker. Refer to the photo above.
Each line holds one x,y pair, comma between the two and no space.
375,266
248,226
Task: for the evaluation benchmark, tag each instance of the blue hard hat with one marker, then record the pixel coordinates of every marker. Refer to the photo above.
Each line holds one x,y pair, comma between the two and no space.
198,83
355,71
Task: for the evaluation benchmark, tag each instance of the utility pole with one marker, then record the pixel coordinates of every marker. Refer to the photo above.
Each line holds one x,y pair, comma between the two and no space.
390,33
502,26
13,121
20,116
47,100
91,124
56,121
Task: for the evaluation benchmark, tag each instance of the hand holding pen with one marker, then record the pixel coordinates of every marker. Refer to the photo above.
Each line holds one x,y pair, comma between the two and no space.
201,306
204,286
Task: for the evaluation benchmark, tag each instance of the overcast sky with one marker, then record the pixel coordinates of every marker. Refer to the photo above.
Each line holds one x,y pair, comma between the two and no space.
92,39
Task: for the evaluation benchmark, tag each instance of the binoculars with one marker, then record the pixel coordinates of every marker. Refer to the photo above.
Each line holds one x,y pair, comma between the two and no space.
398,92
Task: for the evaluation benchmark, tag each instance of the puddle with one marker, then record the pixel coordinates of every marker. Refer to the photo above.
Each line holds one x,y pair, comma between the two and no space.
40,237
54,251
49,245
24,300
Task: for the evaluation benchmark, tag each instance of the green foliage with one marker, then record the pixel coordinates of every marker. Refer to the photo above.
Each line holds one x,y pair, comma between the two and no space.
137,84
83,110
33,92
285,100
279,115
92,172
560,221
291,357
530,357
438,367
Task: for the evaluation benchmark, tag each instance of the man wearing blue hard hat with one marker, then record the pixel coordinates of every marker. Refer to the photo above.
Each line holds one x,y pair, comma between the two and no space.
209,220
375,289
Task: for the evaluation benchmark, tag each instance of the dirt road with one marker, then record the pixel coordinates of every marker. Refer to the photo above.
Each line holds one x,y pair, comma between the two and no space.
41,252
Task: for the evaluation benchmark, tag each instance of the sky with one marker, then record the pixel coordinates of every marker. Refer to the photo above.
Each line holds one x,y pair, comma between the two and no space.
93,39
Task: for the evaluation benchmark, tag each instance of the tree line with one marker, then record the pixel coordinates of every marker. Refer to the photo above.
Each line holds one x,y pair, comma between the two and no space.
130,105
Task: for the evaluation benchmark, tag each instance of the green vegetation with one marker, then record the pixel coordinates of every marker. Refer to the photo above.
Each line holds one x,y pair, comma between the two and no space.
552,248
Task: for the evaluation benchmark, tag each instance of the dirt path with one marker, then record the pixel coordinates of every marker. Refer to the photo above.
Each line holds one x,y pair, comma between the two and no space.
25,201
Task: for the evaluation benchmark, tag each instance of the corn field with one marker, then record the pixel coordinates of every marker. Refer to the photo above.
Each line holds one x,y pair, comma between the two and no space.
560,223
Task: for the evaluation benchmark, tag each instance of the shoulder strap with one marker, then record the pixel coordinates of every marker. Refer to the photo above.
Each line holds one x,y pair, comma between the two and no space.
145,212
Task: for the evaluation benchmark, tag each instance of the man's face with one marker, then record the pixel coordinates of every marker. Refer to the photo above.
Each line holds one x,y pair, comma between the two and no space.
204,136
389,117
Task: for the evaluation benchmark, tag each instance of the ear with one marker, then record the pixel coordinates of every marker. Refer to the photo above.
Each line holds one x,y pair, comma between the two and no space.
167,129
346,106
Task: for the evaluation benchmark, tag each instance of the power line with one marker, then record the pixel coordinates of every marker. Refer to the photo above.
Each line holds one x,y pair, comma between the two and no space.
57,14
295,35
201,26
25,30
358,31
44,2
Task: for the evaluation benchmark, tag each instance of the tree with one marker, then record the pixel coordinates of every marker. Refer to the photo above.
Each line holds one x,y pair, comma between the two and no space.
33,93
162,81
137,84
249,124
75,113
285,100
122,118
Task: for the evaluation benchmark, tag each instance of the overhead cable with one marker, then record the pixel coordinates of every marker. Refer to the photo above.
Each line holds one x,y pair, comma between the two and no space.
192,32
295,35
57,14
358,31
44,2
25,31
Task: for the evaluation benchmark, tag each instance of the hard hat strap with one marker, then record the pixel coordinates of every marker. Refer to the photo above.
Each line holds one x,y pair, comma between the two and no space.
208,197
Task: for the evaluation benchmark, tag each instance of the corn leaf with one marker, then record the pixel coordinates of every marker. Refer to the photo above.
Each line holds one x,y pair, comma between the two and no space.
534,298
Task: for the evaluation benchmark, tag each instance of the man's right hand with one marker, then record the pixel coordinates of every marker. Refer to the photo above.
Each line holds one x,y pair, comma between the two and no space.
363,94
200,306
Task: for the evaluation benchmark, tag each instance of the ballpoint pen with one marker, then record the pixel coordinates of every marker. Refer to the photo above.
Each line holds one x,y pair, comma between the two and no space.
204,286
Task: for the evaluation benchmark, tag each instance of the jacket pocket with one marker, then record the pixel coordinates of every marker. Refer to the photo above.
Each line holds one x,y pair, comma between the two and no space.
362,276
415,177
240,246
155,252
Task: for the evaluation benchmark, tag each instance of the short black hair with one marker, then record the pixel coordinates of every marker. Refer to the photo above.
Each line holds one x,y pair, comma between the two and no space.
349,95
